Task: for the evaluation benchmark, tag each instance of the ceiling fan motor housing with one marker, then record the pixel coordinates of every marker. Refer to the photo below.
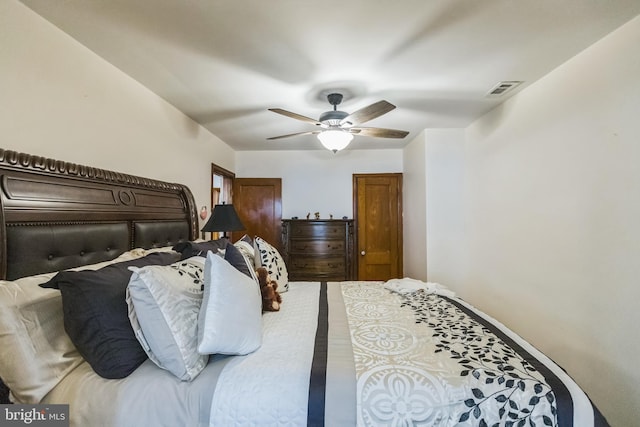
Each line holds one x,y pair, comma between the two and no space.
332,118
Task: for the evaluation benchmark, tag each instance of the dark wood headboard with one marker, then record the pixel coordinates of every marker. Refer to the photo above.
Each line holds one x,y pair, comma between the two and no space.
56,215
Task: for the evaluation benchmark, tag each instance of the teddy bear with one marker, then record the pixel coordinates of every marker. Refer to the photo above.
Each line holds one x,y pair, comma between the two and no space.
271,298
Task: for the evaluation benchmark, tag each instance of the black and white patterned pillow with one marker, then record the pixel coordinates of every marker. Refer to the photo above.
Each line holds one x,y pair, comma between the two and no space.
267,256
164,303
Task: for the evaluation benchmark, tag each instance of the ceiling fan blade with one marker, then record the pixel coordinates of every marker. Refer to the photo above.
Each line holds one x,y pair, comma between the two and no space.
313,132
380,132
295,116
367,113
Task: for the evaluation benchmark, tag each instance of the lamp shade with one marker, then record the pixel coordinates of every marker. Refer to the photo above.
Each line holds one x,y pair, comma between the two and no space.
335,140
223,218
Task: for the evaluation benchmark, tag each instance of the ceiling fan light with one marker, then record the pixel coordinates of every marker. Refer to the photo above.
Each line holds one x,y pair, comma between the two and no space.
335,140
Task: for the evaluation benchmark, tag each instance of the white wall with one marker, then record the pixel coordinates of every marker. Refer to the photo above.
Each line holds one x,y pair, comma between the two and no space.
551,235
60,100
445,196
316,180
414,199
434,212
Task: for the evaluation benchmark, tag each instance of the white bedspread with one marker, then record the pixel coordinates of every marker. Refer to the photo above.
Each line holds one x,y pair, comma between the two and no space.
271,386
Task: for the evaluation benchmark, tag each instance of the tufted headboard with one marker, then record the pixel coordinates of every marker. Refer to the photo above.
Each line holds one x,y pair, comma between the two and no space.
56,215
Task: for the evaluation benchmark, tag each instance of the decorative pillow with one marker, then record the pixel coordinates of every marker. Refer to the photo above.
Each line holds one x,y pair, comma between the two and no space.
96,315
267,256
247,250
230,319
35,351
164,302
240,262
191,249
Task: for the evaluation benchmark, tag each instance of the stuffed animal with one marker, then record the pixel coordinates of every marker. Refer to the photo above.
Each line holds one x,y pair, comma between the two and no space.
271,298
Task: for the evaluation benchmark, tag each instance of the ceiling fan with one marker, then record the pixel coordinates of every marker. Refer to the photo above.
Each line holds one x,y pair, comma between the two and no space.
337,128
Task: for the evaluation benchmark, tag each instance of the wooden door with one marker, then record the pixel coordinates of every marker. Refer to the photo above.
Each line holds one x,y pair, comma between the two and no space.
258,202
378,215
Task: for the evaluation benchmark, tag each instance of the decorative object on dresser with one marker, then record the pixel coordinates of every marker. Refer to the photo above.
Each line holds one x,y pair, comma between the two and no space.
320,249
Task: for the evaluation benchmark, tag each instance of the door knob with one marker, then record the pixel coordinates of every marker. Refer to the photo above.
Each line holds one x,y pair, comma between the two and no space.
362,253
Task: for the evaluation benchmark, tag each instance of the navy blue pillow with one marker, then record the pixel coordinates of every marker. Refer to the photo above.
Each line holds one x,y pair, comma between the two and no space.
4,393
190,249
96,314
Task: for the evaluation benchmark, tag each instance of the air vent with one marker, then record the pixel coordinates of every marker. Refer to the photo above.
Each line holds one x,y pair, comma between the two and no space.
503,87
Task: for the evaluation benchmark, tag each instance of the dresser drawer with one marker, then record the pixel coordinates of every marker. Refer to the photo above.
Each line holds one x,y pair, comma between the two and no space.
314,230
317,267
317,246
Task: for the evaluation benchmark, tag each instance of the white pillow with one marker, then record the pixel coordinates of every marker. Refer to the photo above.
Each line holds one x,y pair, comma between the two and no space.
230,319
35,351
267,256
164,302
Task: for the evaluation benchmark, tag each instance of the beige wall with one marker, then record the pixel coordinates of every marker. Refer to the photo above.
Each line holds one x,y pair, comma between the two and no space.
414,198
58,99
551,232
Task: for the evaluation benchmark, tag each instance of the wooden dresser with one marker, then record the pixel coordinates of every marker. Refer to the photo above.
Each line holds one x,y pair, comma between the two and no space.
317,250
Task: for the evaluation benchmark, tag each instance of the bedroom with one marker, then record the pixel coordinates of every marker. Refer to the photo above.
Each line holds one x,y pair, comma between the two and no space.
530,212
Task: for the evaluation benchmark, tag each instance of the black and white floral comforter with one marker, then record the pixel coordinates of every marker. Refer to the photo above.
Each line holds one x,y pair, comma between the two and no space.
424,357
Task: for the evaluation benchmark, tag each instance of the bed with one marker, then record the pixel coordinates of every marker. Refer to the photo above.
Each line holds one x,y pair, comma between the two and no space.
401,352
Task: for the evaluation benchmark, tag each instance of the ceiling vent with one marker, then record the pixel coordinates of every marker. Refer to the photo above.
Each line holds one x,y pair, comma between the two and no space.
503,87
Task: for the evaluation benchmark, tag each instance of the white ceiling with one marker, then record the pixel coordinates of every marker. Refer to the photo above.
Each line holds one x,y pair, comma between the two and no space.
223,63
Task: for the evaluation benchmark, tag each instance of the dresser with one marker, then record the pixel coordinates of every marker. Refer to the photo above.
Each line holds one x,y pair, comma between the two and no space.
317,250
